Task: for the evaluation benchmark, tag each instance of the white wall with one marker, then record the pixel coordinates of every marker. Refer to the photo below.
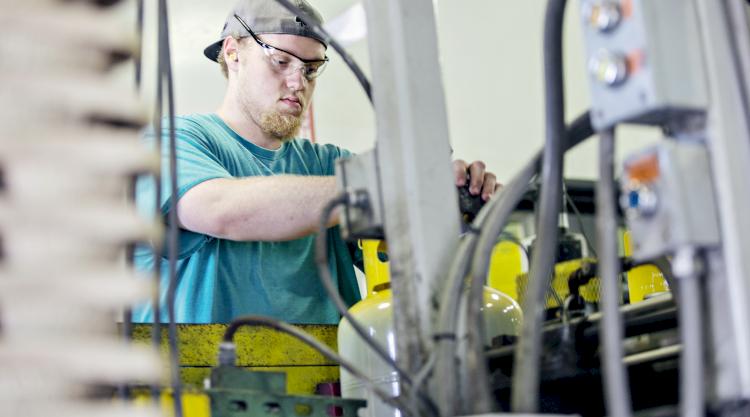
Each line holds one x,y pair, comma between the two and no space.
492,67
492,53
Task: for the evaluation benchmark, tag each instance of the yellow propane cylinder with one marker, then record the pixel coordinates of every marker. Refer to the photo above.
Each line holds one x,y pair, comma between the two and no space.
642,280
502,316
507,263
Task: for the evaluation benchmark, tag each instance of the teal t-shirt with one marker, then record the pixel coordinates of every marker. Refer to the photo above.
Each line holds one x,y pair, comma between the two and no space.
220,279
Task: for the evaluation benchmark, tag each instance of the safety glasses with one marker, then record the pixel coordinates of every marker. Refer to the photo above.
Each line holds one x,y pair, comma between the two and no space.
286,63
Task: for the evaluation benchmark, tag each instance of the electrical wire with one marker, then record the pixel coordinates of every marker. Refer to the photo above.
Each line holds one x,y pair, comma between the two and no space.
321,260
579,220
138,57
525,394
348,60
127,318
395,402
173,231
157,246
616,389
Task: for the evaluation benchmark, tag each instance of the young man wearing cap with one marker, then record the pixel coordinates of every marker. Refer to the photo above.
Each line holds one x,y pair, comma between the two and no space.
250,195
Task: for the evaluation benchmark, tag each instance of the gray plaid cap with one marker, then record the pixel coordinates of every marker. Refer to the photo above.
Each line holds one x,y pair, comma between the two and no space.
266,16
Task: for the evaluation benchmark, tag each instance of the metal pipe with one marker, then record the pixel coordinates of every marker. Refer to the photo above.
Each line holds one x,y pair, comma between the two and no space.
617,391
689,308
652,355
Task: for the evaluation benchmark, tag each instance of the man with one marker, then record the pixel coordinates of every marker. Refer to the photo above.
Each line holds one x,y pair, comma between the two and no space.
250,195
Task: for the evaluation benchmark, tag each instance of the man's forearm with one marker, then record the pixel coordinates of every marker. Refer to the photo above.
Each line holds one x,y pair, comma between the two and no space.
272,208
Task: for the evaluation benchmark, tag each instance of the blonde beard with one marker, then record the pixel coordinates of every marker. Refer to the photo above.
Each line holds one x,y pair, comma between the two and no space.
282,126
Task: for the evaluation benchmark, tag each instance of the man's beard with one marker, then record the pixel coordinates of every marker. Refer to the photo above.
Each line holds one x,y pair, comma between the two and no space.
282,126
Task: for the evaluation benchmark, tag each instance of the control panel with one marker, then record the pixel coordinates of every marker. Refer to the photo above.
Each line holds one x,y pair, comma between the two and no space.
668,199
642,68
362,215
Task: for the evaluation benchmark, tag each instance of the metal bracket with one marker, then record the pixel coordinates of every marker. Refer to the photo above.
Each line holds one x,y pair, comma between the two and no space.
236,392
362,217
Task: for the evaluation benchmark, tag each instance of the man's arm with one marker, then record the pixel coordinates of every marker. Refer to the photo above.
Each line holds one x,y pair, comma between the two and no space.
281,207
273,208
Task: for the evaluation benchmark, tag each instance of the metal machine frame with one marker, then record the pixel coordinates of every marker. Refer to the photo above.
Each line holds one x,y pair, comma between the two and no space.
412,169
413,154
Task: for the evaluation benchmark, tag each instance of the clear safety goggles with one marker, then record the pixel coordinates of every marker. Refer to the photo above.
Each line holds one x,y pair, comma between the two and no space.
286,63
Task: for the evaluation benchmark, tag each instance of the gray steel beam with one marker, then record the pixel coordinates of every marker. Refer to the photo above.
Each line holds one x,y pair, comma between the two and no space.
729,144
413,151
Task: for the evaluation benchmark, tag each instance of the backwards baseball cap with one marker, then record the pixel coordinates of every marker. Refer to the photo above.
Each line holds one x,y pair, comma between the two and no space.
266,17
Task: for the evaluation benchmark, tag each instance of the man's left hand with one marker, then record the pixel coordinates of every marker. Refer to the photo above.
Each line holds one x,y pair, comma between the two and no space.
482,181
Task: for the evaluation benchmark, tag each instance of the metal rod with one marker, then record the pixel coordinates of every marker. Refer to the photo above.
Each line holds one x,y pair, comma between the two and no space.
689,308
616,388
652,355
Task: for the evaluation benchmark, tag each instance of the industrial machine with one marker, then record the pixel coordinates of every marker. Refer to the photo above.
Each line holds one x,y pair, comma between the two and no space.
674,221
681,65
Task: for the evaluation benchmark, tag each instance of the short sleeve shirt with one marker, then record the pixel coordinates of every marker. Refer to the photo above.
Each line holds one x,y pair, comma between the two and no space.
220,279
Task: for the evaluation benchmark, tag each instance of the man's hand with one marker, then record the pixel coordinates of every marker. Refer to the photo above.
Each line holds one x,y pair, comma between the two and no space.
481,180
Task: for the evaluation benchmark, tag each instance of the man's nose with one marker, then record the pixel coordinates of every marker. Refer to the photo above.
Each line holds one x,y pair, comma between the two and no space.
295,80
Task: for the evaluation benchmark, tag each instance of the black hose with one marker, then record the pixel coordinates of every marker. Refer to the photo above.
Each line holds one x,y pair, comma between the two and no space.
616,388
395,402
173,231
445,339
317,28
525,394
321,260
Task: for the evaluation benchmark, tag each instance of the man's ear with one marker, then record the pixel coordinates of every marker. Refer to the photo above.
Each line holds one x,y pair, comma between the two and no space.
230,50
